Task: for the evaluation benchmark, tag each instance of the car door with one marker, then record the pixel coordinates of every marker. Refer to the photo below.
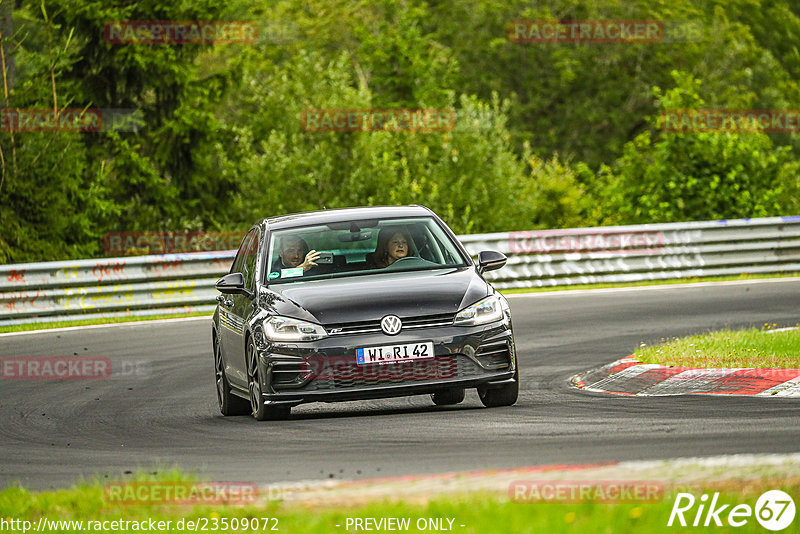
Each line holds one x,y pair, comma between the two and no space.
242,308
231,324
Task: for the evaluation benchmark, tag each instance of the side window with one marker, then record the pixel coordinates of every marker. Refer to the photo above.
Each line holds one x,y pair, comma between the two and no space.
238,261
249,263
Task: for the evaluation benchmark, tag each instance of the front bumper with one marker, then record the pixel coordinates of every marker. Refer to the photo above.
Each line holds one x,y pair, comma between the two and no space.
326,370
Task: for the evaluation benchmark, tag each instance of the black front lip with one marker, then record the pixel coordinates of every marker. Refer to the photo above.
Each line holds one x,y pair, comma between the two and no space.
448,341
383,392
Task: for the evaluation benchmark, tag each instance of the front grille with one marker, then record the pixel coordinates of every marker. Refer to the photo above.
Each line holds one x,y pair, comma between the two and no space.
343,376
495,355
365,327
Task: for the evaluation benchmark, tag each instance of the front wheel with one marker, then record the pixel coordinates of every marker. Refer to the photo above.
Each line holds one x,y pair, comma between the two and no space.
229,404
503,396
260,410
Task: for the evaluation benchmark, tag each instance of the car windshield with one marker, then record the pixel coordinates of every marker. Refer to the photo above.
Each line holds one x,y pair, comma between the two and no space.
360,247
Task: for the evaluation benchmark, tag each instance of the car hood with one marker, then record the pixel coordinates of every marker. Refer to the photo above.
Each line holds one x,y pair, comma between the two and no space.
370,297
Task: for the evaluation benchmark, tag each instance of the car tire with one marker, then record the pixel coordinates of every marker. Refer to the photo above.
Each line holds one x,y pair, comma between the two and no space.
502,396
229,404
259,410
448,397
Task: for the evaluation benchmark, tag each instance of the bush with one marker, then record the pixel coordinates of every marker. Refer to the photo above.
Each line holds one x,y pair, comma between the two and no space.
698,176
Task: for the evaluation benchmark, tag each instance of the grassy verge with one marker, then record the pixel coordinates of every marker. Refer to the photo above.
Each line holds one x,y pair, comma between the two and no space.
108,320
763,349
481,512
690,280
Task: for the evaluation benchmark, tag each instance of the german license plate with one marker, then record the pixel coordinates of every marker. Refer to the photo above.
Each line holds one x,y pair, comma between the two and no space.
394,353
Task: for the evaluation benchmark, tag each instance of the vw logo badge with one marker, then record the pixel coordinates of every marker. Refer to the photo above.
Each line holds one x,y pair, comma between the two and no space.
391,325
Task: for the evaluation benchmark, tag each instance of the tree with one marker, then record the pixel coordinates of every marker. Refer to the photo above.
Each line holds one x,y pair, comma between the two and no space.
699,176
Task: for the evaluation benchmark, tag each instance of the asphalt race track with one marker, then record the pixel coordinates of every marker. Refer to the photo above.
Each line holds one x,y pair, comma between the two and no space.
52,433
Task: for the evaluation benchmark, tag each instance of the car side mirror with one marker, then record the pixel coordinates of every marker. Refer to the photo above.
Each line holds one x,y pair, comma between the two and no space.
490,260
233,284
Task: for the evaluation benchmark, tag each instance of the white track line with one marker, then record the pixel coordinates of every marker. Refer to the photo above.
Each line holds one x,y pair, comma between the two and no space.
512,295
660,287
787,329
107,325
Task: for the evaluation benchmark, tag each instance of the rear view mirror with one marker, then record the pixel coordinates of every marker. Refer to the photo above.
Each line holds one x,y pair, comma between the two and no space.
490,260
354,226
355,236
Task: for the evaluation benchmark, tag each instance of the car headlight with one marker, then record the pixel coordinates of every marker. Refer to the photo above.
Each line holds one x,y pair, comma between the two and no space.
484,311
287,329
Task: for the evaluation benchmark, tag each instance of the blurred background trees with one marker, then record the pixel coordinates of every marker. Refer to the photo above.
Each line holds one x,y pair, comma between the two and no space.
547,135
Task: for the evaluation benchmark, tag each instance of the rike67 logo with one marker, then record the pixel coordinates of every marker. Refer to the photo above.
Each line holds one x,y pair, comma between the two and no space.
774,510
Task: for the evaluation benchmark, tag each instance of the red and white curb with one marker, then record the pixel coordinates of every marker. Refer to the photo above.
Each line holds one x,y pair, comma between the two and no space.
631,377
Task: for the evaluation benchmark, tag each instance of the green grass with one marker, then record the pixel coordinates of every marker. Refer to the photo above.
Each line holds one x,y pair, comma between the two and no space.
689,280
726,349
479,512
89,322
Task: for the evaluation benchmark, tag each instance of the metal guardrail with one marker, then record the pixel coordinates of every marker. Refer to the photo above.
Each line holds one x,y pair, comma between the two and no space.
129,286
174,283
643,252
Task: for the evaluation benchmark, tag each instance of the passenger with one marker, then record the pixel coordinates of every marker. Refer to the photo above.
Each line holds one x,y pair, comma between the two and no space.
393,244
294,253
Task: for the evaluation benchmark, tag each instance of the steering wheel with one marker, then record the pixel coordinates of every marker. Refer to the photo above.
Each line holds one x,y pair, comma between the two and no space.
404,259
410,261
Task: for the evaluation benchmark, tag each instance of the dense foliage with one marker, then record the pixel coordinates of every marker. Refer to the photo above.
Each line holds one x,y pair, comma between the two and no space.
546,135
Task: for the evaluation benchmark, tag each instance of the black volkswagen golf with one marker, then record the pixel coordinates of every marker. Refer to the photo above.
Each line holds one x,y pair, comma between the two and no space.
359,303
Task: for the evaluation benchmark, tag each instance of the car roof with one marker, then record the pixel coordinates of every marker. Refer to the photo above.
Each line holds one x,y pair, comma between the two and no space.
344,215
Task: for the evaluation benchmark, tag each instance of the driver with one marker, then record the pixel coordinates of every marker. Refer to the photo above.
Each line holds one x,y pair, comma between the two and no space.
393,244
294,253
